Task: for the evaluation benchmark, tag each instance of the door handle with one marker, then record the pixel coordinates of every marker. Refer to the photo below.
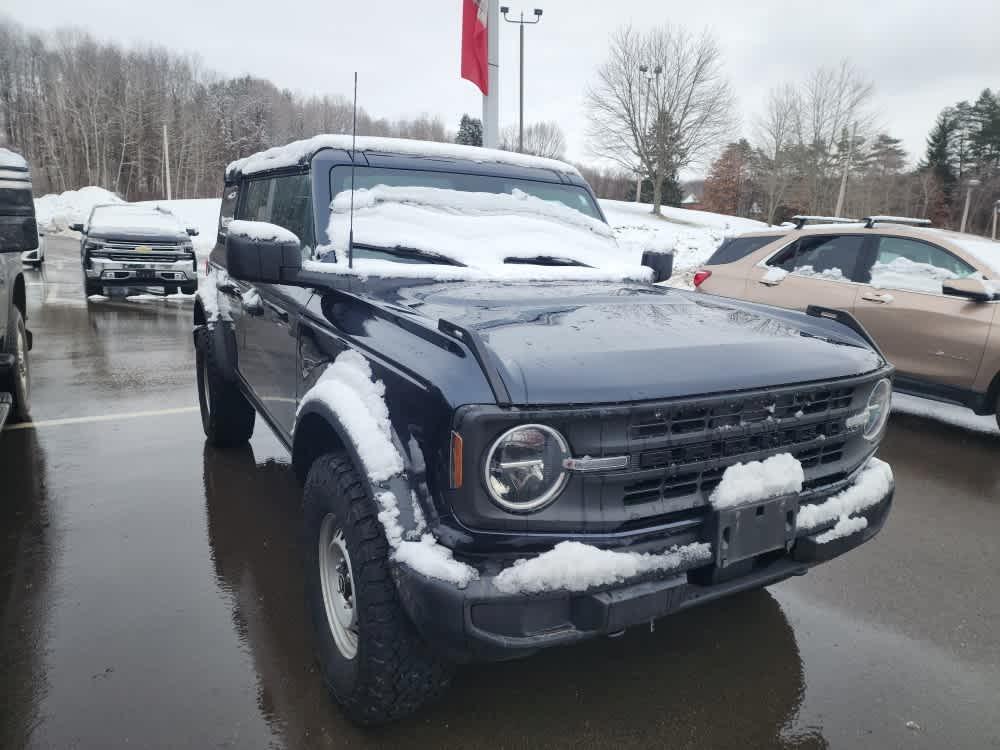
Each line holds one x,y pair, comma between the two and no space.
882,299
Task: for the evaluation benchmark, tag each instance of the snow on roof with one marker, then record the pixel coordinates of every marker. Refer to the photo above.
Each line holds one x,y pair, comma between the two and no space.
298,151
691,198
128,217
481,231
12,160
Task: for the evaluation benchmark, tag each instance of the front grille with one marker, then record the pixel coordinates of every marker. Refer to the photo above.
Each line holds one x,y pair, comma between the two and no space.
148,257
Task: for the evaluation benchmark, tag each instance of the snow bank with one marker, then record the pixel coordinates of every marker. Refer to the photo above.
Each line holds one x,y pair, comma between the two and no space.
298,151
347,388
262,231
871,485
201,214
957,416
903,273
575,566
758,480
12,159
480,231
55,212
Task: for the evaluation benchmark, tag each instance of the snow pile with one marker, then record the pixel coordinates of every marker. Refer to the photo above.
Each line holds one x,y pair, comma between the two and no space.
846,526
774,275
298,151
903,273
262,231
435,561
758,480
871,486
135,219
199,213
12,159
692,235
952,414
827,273
575,566
480,231
55,212
347,388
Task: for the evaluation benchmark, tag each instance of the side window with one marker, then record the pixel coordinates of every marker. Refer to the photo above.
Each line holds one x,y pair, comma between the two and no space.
292,208
256,204
832,257
230,195
738,248
916,266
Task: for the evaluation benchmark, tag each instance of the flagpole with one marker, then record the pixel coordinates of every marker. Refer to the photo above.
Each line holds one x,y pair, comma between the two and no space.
491,102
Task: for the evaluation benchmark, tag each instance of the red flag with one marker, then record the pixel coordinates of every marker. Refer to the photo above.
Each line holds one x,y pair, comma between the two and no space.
475,43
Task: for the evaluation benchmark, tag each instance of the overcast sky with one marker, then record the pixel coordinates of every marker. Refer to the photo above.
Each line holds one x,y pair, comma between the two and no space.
922,56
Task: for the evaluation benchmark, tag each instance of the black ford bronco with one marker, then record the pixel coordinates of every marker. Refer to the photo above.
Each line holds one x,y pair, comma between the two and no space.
18,234
509,437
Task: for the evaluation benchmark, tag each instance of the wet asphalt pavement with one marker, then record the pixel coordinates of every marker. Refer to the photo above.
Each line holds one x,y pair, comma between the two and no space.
152,592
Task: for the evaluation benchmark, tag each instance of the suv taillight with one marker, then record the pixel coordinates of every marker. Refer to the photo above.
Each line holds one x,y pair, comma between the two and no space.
701,277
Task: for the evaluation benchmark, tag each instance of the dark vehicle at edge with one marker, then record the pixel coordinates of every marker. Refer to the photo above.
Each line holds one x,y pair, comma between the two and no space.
644,394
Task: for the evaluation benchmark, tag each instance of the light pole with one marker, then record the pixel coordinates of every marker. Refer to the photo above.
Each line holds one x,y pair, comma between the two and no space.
996,211
973,183
644,117
521,23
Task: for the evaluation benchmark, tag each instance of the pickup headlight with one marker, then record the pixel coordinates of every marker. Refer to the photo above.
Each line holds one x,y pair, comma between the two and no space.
524,468
877,410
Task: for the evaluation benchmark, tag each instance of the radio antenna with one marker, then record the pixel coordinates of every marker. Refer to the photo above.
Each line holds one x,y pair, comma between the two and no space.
354,161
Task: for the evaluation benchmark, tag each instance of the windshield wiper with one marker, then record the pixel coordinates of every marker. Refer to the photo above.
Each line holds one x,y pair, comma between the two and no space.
406,253
545,260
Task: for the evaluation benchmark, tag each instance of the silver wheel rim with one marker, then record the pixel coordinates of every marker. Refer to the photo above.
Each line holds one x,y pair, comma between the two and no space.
337,581
22,364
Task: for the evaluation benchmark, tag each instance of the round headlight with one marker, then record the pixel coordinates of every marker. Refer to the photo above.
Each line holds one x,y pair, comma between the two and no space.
524,468
879,404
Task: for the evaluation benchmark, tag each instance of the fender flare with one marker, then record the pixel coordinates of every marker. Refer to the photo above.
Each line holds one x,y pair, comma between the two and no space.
303,453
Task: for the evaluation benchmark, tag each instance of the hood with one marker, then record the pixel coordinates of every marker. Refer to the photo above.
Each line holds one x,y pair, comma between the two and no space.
563,342
138,235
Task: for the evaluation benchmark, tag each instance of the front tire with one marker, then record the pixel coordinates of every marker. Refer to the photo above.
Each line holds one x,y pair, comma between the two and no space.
91,288
19,381
375,664
226,415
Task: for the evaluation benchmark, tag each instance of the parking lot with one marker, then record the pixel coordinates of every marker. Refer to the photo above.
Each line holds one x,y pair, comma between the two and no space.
152,590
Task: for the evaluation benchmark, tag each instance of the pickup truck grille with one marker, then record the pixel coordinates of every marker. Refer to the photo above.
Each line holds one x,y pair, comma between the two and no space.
148,257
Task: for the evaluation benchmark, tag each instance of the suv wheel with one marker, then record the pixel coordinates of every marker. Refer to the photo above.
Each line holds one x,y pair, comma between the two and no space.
19,382
226,415
373,661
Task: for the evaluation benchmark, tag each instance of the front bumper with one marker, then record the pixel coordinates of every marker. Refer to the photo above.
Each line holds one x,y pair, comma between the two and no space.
480,623
139,272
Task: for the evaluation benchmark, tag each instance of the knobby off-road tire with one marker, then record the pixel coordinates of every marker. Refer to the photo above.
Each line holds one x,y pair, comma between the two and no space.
226,415
392,672
18,382
998,410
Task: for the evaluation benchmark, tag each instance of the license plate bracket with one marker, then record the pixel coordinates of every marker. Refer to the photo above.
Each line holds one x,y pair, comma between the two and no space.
145,273
752,529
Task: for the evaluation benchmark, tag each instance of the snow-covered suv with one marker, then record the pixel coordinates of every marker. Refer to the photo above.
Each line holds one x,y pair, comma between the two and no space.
509,437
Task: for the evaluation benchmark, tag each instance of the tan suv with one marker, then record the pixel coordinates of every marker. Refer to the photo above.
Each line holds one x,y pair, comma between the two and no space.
928,297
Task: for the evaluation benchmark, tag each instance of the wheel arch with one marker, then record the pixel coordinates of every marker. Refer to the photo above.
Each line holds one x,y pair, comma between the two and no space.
20,298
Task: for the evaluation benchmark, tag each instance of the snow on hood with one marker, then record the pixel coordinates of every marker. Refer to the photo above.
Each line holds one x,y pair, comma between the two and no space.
132,219
11,159
298,151
480,231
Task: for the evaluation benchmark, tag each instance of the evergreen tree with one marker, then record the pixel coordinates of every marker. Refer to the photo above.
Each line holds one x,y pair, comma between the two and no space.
940,144
470,131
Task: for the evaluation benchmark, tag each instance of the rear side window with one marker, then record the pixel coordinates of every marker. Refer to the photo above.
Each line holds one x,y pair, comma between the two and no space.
832,257
914,265
738,248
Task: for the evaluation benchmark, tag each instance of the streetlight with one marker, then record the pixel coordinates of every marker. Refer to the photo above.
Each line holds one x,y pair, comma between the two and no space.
644,117
996,212
973,183
522,23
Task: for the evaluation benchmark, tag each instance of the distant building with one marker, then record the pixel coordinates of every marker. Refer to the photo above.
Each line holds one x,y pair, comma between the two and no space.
692,202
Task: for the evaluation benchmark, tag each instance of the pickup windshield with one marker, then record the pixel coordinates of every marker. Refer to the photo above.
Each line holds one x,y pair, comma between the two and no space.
571,196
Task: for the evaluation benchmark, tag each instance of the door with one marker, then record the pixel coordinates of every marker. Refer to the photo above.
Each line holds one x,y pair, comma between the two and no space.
267,329
930,337
814,270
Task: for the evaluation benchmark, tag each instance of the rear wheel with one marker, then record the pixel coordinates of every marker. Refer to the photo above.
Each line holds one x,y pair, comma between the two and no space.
374,662
226,415
19,380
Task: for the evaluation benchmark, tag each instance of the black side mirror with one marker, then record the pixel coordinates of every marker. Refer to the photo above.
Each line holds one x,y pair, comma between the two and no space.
975,290
260,252
192,232
18,234
661,263
76,227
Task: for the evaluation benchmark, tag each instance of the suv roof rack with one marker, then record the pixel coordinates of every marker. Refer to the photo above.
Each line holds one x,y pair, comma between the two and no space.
871,221
802,220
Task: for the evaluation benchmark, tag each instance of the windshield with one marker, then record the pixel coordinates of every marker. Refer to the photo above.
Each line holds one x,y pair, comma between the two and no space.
571,196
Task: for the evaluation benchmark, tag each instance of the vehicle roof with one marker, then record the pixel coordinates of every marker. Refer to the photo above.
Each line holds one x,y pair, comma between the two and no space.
12,160
301,152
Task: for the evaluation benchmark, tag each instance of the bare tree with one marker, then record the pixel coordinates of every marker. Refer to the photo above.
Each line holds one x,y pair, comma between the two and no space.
660,103
540,139
775,132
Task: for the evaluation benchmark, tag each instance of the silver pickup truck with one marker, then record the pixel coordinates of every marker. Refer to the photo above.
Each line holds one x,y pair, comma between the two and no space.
18,234
132,245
